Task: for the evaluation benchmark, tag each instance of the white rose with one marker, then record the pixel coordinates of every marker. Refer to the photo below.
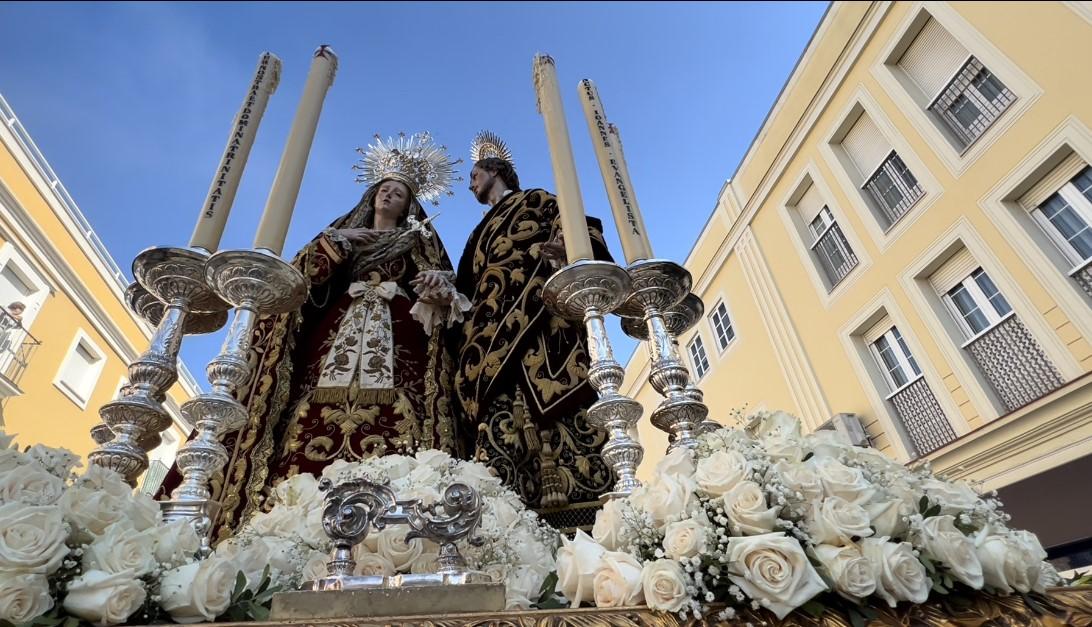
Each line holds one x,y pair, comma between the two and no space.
684,538
850,571
397,466
781,449
531,551
900,576
745,507
773,570
11,459
828,443
665,498
433,458
23,597
664,585
315,566
32,538
953,498
778,425
427,562
392,545
251,559
103,598
372,564
285,556
282,522
842,481
677,464
799,479
199,591
945,544
477,476
507,515
886,518
423,474
1048,576
617,583
907,497
310,528
427,494
337,471
122,549
91,511
299,489
521,587
143,512
176,542
30,484
837,522
1004,567
722,471
610,530
1040,572
577,562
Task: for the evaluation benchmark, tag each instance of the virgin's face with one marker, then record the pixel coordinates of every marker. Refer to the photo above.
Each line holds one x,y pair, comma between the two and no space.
392,199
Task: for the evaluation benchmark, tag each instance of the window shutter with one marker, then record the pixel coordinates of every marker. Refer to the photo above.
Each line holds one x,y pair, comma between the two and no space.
865,145
1058,177
933,59
875,331
810,203
957,268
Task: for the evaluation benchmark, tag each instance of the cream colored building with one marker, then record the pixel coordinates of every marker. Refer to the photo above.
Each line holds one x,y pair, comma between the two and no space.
907,245
67,356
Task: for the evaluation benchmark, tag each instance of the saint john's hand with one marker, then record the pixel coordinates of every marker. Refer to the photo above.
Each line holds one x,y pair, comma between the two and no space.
554,250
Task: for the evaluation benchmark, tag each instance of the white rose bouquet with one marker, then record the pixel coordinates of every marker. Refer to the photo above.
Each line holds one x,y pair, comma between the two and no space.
769,517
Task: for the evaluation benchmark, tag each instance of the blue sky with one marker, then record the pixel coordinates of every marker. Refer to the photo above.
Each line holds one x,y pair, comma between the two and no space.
131,103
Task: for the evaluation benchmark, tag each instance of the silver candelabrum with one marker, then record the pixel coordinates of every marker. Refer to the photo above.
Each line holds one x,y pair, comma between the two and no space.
588,290
356,507
659,286
255,282
175,279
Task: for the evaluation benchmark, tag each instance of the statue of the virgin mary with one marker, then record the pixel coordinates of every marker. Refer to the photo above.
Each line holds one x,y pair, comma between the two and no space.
361,369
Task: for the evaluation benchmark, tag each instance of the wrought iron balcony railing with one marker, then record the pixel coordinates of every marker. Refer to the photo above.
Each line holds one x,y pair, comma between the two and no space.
835,254
17,346
1013,362
971,102
922,417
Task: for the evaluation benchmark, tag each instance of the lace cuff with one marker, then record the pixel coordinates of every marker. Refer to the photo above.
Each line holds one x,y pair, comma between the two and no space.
431,315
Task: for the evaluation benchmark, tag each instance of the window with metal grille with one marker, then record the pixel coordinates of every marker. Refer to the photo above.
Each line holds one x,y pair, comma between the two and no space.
894,358
698,357
977,304
971,102
894,188
722,326
831,248
1066,217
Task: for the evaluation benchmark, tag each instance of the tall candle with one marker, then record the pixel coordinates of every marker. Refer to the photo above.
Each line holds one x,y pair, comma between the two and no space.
273,227
620,157
214,213
570,204
622,204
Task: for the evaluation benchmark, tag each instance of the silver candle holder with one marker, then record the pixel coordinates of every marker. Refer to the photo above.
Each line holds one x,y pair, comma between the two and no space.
176,278
588,290
658,287
255,282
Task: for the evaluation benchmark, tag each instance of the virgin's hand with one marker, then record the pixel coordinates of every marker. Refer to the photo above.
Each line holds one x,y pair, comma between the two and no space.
428,280
360,235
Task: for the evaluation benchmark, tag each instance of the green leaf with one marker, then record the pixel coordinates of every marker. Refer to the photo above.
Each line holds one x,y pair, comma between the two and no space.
815,608
259,612
240,586
71,621
933,511
547,589
923,505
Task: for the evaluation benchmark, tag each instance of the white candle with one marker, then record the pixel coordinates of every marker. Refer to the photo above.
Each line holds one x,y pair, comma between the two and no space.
627,218
570,204
273,227
620,155
214,213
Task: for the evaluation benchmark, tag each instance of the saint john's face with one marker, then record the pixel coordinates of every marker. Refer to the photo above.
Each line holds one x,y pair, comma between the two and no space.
480,182
392,199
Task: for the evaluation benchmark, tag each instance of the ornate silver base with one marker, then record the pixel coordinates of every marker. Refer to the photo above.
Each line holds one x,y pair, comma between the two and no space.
256,283
662,286
587,290
151,309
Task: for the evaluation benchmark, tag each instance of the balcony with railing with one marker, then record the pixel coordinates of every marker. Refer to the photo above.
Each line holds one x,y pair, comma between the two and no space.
1013,362
894,188
17,346
971,102
834,253
1082,274
922,417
